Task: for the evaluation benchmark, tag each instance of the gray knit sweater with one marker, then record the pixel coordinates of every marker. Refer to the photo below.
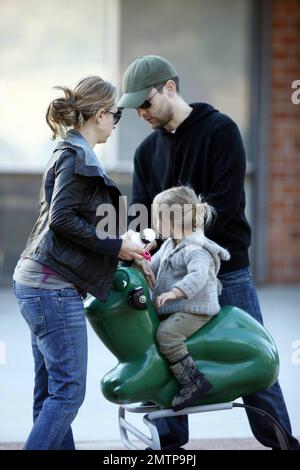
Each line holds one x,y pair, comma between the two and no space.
191,266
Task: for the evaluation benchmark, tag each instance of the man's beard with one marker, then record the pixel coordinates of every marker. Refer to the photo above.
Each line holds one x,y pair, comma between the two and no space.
164,119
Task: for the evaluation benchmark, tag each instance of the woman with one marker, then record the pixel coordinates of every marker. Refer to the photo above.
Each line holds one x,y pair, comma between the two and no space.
66,256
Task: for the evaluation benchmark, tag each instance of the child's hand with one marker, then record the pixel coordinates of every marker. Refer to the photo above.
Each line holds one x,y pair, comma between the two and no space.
151,246
173,294
145,267
162,298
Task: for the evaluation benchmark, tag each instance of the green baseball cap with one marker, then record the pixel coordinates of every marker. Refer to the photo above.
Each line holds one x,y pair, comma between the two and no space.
142,75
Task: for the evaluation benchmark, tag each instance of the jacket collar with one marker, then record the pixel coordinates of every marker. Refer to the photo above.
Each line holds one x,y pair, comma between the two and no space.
194,239
87,163
198,240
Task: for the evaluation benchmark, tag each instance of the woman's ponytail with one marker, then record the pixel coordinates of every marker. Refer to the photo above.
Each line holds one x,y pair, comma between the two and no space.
78,105
61,113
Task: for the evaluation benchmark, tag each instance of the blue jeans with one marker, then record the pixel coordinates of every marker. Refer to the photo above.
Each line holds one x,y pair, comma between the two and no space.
239,290
59,345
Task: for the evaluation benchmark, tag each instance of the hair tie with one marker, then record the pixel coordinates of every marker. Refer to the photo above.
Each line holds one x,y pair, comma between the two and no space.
73,102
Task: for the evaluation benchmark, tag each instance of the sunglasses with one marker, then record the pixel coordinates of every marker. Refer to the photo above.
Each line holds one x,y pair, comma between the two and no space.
147,103
116,116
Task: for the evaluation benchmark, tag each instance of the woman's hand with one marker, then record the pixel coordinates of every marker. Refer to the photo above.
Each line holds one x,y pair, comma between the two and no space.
145,267
134,237
130,251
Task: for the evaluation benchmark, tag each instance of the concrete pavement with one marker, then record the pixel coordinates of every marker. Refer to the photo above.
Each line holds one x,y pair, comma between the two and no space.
96,423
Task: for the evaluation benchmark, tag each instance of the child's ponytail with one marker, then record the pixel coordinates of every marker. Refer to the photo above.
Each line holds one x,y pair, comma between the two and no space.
193,214
205,214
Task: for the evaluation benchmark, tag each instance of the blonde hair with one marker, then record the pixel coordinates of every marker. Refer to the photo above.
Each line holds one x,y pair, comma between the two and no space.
200,213
78,105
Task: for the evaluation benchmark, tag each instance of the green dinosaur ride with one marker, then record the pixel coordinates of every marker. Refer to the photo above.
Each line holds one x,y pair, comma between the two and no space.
233,350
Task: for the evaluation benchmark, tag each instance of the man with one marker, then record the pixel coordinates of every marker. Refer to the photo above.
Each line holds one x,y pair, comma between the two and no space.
196,145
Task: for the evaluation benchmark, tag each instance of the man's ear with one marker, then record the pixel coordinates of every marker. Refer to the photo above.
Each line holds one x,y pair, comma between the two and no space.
171,87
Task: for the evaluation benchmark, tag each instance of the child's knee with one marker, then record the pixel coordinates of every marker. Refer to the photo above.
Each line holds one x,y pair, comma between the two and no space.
161,334
164,337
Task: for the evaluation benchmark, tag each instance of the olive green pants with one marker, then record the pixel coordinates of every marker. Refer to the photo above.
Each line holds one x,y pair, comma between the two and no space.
173,332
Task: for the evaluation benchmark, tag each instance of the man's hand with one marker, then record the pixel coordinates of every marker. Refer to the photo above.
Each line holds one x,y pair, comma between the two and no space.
145,267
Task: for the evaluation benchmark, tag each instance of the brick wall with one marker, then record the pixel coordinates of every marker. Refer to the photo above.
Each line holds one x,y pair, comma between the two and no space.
284,152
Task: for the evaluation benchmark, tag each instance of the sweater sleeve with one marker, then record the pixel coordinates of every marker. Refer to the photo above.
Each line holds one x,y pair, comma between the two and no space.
227,174
197,263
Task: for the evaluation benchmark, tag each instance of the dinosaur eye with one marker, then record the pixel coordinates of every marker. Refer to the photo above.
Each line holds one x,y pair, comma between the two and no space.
121,280
137,298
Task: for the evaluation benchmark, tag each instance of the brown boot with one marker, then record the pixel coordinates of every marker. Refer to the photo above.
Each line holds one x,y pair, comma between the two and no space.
195,384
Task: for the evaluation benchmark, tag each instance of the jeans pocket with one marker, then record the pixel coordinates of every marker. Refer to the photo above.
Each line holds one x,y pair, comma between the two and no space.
69,294
33,313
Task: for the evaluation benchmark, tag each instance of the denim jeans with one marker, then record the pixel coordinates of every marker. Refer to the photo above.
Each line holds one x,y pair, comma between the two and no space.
239,290
59,345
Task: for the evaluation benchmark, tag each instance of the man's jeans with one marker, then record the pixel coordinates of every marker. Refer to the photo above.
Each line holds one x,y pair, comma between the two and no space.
59,345
238,290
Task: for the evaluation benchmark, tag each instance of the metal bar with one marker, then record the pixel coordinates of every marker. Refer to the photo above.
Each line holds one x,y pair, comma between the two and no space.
125,426
157,412
139,434
123,431
155,444
136,408
194,409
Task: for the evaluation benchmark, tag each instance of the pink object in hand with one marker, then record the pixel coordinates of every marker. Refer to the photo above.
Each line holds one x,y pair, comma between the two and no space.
147,255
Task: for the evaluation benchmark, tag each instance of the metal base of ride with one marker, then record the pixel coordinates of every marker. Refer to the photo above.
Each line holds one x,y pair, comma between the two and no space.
154,411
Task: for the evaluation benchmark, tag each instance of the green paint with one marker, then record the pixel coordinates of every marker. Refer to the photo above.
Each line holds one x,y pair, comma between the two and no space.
236,353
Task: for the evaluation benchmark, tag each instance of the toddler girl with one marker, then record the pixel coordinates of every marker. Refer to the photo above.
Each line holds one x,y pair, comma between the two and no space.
186,288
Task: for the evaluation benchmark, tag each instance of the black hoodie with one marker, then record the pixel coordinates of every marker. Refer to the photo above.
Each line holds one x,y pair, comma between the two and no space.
206,152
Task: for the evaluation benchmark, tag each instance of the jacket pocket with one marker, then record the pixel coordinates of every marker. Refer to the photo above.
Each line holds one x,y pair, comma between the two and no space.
73,255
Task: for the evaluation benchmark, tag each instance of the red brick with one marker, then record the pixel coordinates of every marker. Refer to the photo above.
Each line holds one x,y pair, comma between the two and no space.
284,145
